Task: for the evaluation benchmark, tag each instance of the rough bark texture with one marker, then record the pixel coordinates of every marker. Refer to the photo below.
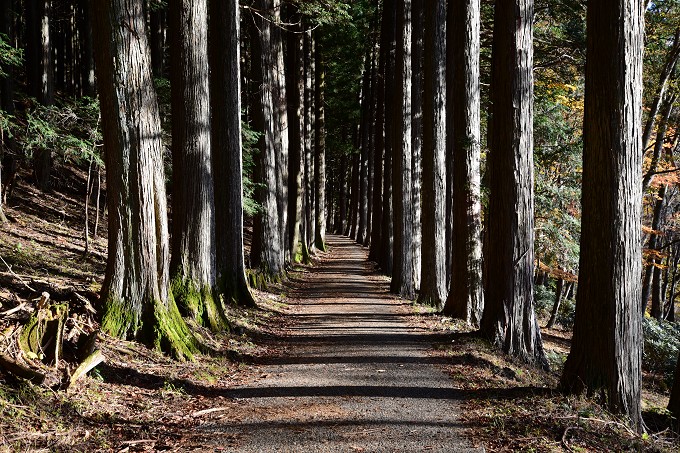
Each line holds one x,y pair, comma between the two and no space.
466,297
225,86
266,252
157,25
377,212
418,29
295,87
606,348
137,302
402,273
280,113
39,67
319,152
432,283
386,249
192,266
309,142
509,319
366,95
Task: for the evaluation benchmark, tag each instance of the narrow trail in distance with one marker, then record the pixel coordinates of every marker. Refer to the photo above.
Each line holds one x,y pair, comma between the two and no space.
355,376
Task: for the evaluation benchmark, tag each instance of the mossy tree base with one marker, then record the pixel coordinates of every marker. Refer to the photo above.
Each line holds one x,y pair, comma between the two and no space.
200,305
260,279
161,327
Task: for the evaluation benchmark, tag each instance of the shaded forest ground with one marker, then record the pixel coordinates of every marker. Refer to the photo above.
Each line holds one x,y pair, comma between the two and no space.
139,400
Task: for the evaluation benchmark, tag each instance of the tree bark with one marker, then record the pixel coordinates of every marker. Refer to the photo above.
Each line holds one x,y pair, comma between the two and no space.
319,151
418,18
226,143
654,243
402,275
87,81
466,297
433,273
606,347
366,96
380,142
296,93
135,293
157,26
509,319
674,402
192,264
556,306
309,141
266,252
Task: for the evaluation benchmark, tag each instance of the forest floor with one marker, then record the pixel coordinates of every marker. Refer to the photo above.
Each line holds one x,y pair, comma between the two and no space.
329,361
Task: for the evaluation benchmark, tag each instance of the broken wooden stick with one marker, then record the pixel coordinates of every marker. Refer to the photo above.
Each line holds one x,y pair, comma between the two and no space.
21,371
88,364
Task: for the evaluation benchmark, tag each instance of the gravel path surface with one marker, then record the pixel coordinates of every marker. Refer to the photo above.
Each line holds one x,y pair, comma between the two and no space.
356,377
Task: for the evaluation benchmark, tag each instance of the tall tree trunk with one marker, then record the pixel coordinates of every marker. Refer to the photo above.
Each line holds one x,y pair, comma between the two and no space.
377,211
87,81
667,109
280,125
509,319
309,138
227,160
386,247
606,347
674,402
418,19
40,75
266,253
354,196
342,221
157,26
556,305
136,290
402,274
366,96
6,95
192,264
653,244
466,297
296,91
664,76
433,273
670,310
319,150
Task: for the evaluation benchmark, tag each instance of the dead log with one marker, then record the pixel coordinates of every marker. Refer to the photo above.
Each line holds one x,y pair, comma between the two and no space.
88,364
21,371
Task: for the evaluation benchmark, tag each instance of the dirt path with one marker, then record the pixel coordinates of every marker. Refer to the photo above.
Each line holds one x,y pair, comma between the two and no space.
355,377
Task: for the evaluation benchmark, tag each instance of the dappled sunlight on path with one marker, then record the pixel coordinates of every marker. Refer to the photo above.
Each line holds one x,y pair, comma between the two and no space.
355,375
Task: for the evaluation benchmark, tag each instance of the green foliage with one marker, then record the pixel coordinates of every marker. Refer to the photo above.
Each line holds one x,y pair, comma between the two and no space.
661,344
566,315
70,130
325,12
10,56
544,298
250,138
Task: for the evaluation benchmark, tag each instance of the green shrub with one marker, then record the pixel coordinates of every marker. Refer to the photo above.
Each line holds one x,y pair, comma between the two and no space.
661,343
544,298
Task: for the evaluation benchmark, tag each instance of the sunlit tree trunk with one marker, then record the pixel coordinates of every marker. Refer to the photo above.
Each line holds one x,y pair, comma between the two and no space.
136,299
266,252
366,95
433,283
87,81
418,28
465,299
606,350
192,264
319,150
225,88
296,92
402,273
509,319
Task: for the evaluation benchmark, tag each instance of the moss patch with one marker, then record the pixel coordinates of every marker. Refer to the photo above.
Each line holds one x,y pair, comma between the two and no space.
200,305
119,320
170,333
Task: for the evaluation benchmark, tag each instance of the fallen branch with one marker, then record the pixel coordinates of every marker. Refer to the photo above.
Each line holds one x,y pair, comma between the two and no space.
88,364
21,371
9,268
210,411
564,437
14,310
